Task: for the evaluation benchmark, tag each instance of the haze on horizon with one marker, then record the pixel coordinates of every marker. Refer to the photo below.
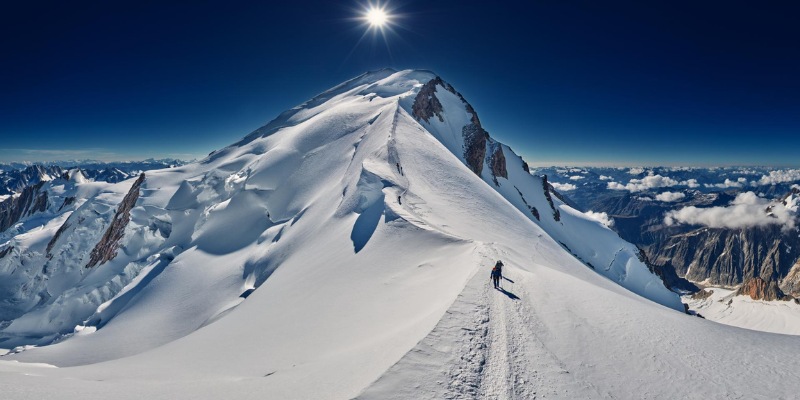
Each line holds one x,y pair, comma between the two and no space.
590,84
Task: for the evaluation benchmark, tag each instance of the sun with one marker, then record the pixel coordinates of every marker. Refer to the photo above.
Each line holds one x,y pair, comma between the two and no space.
377,17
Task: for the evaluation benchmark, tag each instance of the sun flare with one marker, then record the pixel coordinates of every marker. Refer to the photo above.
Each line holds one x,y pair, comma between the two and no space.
377,17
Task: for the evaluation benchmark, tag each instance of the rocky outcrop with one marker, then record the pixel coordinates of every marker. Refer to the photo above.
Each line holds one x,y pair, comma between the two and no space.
427,105
474,147
728,257
791,283
106,248
546,189
497,163
31,200
67,201
759,289
6,251
58,234
702,294
532,209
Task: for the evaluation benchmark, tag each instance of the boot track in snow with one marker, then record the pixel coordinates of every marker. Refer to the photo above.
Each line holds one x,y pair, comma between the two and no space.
485,347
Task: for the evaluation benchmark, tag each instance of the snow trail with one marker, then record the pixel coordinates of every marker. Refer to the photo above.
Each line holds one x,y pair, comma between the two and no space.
519,365
485,347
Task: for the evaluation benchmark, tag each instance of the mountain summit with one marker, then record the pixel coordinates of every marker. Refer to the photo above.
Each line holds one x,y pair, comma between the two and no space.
344,249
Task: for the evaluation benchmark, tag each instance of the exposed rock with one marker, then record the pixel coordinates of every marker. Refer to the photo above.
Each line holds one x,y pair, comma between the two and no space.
474,147
728,257
53,241
759,289
30,201
525,167
39,205
667,274
546,187
426,105
791,283
533,210
702,295
106,248
5,251
497,162
68,201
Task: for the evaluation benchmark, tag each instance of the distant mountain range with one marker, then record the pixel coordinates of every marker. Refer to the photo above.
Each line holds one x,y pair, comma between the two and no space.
711,226
14,177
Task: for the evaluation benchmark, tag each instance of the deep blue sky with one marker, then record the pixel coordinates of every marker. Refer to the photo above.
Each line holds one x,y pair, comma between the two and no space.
562,82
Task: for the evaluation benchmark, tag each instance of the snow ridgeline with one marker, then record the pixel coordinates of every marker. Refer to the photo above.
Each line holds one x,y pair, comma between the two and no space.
359,217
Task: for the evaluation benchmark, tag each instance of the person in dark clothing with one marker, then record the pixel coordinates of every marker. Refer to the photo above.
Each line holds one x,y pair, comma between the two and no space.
497,273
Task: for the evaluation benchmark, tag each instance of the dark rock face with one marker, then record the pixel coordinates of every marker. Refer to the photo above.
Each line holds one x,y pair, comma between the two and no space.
58,234
68,201
31,200
427,105
546,189
497,162
533,210
703,294
729,256
474,147
525,167
791,283
717,256
759,289
106,248
5,251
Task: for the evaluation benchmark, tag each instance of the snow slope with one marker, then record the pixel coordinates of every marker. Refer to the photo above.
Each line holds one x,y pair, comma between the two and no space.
724,306
343,250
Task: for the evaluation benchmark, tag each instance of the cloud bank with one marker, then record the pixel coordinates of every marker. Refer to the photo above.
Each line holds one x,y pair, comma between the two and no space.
779,176
738,183
651,182
600,217
563,187
745,211
669,197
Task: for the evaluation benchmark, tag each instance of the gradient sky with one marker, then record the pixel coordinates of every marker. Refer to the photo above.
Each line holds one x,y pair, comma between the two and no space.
562,82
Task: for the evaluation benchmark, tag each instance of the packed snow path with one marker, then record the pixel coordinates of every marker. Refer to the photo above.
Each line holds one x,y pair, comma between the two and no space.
497,352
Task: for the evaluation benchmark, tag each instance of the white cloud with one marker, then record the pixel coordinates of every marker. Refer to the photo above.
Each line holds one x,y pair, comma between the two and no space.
651,182
605,178
747,210
779,176
669,197
576,177
739,183
648,182
692,183
563,187
600,217
636,171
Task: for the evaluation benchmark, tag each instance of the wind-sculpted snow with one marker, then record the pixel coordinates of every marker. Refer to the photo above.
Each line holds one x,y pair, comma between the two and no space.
345,244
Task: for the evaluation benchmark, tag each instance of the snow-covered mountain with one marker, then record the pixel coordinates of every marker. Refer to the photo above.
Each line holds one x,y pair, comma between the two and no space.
15,180
343,250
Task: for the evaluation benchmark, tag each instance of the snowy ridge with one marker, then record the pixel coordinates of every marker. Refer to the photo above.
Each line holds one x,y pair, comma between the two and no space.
336,250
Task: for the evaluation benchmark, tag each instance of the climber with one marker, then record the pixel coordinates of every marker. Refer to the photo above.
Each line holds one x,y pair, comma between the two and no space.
497,273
